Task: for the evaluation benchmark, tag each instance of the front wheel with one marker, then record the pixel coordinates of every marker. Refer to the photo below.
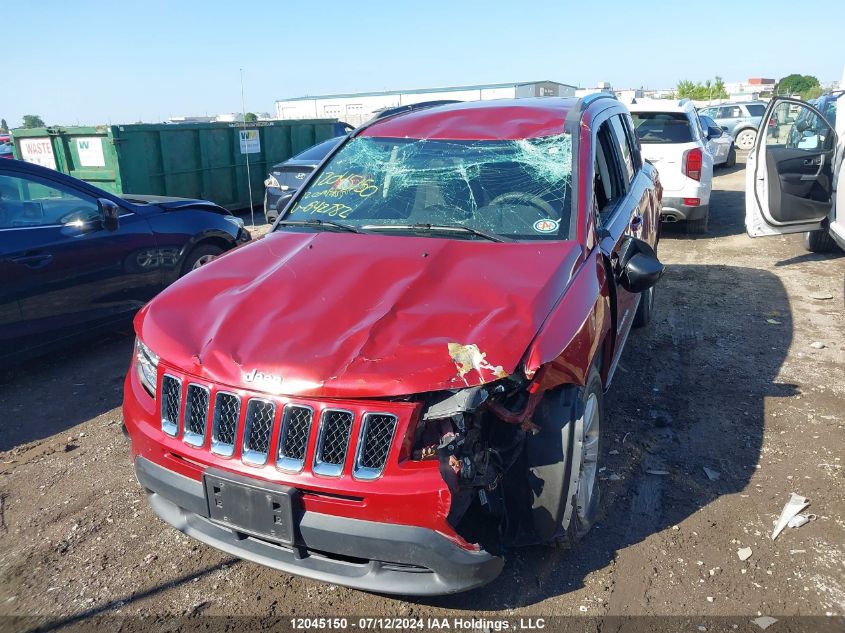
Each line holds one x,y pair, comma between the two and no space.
200,256
563,459
745,139
818,241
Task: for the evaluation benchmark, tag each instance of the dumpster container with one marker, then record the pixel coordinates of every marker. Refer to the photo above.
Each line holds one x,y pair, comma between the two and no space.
186,160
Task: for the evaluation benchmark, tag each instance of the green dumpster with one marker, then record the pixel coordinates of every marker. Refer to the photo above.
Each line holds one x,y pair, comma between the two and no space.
186,160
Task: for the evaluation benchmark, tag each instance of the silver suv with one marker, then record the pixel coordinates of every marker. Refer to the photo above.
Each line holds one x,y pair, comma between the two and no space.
740,119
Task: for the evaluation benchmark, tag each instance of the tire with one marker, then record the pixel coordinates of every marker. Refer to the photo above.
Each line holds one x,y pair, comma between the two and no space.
818,241
201,255
731,162
698,227
563,466
745,138
645,309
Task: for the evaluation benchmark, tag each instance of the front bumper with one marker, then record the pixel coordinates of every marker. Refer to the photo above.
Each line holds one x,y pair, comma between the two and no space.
674,210
368,555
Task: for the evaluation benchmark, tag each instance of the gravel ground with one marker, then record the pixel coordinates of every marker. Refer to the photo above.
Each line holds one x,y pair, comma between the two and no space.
726,377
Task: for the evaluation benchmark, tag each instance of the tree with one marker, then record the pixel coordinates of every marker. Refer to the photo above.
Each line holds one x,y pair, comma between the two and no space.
33,120
797,84
3,126
702,91
250,117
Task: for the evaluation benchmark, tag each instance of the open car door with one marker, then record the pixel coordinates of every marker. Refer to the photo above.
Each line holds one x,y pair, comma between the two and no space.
789,172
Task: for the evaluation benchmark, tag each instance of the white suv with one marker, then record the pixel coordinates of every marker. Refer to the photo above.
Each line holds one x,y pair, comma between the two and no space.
673,139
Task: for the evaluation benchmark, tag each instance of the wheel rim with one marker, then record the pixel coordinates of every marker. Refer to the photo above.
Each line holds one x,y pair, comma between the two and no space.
202,261
745,140
590,429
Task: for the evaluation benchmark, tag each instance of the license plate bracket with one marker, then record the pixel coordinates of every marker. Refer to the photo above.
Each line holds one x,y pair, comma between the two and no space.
253,507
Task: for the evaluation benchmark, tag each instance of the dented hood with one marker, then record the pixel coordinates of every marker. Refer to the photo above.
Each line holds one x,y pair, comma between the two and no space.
340,315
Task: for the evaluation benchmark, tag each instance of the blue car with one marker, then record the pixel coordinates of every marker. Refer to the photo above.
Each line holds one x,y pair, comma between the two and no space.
75,259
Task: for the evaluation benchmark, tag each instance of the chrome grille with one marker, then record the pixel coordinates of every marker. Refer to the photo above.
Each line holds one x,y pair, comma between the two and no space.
332,442
374,443
171,403
224,425
293,438
258,427
196,415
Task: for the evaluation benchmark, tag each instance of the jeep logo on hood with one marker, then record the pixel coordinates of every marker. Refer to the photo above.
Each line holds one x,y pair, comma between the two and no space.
260,378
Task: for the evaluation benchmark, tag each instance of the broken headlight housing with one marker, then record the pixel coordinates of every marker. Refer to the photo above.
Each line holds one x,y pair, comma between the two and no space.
146,364
271,182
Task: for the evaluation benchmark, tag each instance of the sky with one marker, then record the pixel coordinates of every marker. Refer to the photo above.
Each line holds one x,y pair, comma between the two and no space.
79,62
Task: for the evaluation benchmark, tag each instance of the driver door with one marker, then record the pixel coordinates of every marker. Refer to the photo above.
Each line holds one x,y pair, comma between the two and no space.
789,172
67,270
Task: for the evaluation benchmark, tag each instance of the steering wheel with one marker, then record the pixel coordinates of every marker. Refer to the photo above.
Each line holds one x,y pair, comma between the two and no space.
68,217
521,198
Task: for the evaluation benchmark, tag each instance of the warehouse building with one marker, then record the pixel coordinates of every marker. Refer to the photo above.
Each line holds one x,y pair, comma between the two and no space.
359,107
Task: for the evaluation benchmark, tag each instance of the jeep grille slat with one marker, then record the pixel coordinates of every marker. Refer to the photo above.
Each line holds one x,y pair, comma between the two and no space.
293,437
374,443
333,442
171,404
196,414
224,425
204,414
258,427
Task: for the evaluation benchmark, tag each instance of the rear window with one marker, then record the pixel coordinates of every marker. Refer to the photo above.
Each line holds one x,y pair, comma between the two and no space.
318,152
663,127
756,109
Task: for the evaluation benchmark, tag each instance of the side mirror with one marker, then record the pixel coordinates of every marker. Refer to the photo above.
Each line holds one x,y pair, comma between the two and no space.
110,213
714,132
638,267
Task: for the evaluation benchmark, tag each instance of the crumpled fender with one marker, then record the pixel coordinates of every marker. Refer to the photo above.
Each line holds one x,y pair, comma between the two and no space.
572,335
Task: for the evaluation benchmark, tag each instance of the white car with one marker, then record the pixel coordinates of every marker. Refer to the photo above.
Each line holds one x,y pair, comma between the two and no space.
720,144
673,139
794,181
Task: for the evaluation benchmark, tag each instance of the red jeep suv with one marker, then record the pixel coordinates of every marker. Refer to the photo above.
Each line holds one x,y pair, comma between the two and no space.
403,381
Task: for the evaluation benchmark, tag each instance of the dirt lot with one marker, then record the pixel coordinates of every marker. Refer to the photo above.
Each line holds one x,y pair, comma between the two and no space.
725,377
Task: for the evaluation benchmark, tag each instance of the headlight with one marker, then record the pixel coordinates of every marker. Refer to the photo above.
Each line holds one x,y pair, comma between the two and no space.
235,220
271,182
146,364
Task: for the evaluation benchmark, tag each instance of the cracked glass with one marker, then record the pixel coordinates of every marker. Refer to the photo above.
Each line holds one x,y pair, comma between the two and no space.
515,189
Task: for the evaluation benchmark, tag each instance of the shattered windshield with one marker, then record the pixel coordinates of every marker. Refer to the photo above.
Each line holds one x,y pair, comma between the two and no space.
516,189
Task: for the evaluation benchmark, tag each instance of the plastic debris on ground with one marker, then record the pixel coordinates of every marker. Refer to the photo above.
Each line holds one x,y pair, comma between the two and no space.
712,475
795,504
801,519
744,553
764,622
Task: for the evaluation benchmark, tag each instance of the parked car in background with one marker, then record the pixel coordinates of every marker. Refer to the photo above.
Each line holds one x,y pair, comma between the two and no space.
673,139
740,119
826,104
6,150
794,179
285,178
405,378
720,144
75,259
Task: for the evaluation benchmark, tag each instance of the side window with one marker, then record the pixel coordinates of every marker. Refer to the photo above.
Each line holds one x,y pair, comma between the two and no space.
798,127
609,183
633,142
708,111
622,147
27,202
725,112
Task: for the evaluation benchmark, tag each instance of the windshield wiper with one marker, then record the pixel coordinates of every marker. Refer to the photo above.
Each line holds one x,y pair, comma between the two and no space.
315,223
435,228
